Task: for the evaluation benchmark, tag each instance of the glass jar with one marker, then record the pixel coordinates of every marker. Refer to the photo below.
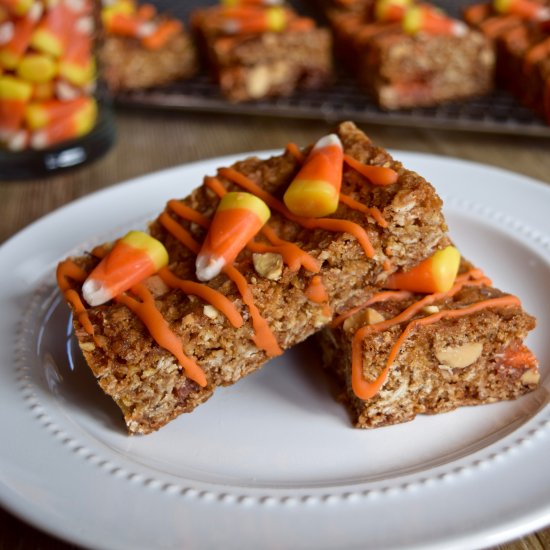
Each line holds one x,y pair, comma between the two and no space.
54,113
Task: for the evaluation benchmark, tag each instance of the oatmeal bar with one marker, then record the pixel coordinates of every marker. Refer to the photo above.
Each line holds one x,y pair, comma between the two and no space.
523,52
143,49
282,288
254,56
403,62
464,347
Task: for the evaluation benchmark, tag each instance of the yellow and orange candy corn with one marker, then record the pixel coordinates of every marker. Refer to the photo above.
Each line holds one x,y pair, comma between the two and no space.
14,96
73,126
43,113
17,7
52,33
131,260
11,52
430,20
315,191
526,9
435,274
391,10
238,218
252,20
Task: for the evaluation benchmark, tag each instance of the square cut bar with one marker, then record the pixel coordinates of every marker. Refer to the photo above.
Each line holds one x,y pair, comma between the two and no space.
473,358
258,65
129,65
522,54
145,380
401,70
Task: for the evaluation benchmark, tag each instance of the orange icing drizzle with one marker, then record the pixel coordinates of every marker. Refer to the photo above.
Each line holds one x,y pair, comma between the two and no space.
263,335
157,325
364,389
188,213
208,294
66,270
294,150
177,231
370,211
316,291
330,224
536,53
377,175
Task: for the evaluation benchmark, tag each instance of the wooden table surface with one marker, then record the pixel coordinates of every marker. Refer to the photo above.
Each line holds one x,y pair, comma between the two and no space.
149,141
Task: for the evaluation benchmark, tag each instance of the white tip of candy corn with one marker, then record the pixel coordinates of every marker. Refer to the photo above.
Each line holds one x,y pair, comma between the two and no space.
95,293
208,267
327,141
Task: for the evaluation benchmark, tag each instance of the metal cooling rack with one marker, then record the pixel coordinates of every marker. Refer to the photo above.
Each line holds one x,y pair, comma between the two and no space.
498,112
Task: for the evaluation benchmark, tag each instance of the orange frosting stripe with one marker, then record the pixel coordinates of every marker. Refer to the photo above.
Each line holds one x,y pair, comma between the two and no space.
213,297
190,214
373,212
177,231
294,150
377,175
156,324
67,269
316,291
263,336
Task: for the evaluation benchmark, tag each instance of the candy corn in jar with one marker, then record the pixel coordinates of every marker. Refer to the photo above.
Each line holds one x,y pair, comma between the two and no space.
51,109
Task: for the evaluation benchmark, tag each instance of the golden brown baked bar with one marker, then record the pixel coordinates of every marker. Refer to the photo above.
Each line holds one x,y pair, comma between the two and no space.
277,300
142,49
460,348
256,65
402,69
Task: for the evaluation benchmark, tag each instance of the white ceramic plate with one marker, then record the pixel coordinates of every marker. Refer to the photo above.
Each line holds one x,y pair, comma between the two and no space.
273,461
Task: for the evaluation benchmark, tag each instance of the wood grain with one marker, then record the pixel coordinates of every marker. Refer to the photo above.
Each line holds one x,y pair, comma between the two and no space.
151,140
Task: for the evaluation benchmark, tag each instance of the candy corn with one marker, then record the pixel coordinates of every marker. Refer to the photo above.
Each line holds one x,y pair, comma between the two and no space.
51,34
17,7
77,64
436,274
41,114
391,10
430,20
132,259
36,68
526,9
79,123
315,190
11,52
162,33
14,95
250,20
238,218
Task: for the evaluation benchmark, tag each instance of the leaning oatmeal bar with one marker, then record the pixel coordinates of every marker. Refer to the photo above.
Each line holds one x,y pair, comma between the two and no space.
404,354
283,287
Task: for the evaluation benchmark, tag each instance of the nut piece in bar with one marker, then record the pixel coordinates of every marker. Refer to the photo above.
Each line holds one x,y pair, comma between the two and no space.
142,48
255,52
161,348
404,354
410,55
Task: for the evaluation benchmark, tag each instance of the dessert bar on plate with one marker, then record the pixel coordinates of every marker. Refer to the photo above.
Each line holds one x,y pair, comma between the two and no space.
409,55
254,52
142,48
285,285
403,353
520,30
